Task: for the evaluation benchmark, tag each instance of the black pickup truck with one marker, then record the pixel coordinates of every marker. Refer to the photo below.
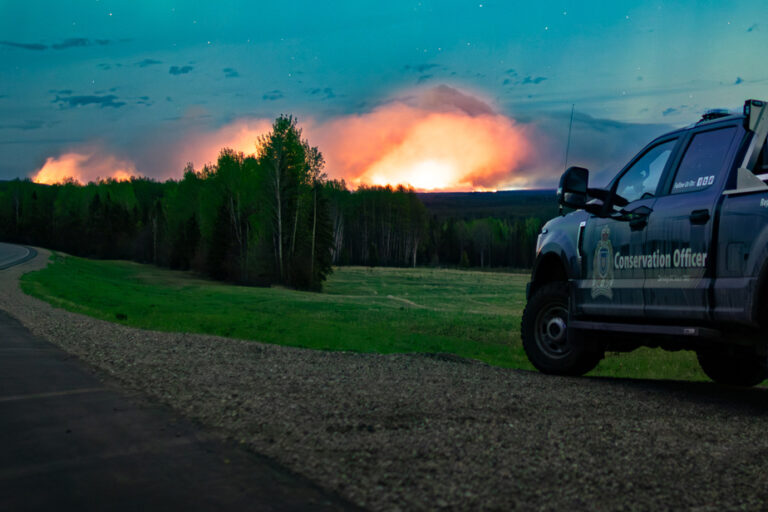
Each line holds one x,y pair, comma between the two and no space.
673,253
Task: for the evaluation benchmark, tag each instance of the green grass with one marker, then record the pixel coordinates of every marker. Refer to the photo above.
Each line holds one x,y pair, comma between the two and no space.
471,314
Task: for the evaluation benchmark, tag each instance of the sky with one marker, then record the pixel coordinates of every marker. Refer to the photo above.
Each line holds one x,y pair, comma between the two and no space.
440,95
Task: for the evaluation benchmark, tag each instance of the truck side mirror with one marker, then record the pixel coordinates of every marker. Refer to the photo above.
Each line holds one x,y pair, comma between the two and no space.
572,191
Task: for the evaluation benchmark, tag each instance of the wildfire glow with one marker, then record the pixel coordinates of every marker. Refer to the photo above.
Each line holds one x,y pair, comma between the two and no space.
83,167
458,143
434,139
204,148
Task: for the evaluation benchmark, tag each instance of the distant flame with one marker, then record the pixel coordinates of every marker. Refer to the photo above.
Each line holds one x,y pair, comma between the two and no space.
427,146
204,148
83,167
434,139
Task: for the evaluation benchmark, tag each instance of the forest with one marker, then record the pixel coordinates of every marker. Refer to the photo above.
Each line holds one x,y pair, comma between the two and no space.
271,218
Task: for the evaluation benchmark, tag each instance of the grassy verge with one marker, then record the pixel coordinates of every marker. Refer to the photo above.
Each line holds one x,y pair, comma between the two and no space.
471,314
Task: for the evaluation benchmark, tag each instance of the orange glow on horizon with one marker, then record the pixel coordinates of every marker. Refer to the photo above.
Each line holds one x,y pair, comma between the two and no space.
83,167
440,139
448,150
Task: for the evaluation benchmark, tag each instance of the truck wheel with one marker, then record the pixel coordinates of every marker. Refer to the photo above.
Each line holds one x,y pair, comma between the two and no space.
732,370
545,334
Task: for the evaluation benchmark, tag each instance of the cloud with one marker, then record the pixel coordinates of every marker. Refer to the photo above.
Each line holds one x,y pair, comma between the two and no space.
30,124
535,81
104,66
148,62
511,72
669,111
602,145
444,98
738,81
73,42
753,27
84,165
183,70
109,100
423,78
230,73
272,95
79,42
326,93
420,68
25,46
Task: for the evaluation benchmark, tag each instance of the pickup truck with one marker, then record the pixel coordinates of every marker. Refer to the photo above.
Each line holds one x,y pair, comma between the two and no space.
673,253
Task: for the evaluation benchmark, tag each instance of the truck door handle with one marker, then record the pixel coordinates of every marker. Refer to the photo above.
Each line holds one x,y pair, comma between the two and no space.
699,216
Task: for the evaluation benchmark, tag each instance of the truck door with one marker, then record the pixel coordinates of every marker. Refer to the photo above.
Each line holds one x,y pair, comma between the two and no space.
613,284
679,233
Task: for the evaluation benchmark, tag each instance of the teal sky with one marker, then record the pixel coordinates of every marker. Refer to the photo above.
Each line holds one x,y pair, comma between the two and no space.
124,74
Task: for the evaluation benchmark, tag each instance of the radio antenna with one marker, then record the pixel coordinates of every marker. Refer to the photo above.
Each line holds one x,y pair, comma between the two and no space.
568,144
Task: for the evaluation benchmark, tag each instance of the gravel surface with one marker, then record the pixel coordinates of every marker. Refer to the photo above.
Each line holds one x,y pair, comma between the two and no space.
419,432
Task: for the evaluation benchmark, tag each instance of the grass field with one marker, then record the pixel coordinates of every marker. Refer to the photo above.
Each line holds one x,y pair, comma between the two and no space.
470,314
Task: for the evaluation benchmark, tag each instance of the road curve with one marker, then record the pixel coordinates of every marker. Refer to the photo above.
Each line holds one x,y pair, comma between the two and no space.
11,255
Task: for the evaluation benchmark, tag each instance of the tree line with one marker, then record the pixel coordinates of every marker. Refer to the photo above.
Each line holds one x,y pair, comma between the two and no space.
268,218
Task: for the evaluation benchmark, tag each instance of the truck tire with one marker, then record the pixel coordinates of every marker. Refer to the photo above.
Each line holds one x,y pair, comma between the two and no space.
545,335
733,370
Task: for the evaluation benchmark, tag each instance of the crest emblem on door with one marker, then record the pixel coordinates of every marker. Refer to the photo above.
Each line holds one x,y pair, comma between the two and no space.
602,279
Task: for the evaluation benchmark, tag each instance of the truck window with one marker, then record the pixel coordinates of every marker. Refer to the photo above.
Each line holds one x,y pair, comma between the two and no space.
642,179
703,160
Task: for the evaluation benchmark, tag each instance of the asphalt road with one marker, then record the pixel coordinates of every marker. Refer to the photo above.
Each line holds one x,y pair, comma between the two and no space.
14,254
71,440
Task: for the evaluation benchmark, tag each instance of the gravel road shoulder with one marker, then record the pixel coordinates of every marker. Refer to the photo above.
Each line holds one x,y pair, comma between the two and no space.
414,432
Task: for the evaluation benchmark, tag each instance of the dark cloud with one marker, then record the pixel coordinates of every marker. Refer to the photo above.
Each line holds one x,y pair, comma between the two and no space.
531,80
25,46
109,100
104,66
62,92
148,62
511,72
72,42
230,73
30,124
325,93
168,98
738,81
180,70
506,81
753,27
423,78
602,145
272,95
79,42
639,78
144,100
669,111
444,97
420,68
